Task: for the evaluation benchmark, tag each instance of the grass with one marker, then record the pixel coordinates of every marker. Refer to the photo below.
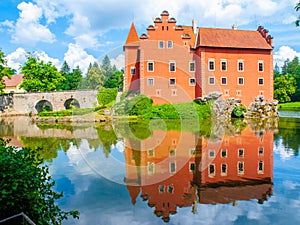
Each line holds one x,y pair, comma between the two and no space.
69,112
290,106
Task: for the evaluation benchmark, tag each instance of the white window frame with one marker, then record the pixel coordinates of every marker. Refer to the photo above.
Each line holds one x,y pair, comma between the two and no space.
260,62
238,65
194,66
148,63
263,151
209,173
211,77
172,78
211,60
149,82
170,44
151,168
263,81
238,81
171,62
211,153
192,83
170,167
221,65
224,173
161,44
263,167
226,153
243,153
132,68
222,80
243,170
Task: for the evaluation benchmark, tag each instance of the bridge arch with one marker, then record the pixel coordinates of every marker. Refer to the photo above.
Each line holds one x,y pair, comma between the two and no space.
43,105
71,103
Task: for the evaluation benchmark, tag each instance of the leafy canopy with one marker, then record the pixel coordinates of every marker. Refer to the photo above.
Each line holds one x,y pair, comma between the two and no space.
26,186
4,70
297,8
40,76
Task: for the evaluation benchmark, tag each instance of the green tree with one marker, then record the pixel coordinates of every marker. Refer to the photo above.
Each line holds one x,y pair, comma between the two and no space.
40,76
4,70
106,96
106,67
95,77
72,79
297,8
26,186
284,88
115,81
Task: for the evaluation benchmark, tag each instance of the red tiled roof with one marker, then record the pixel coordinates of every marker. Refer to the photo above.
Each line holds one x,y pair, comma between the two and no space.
14,81
227,38
132,35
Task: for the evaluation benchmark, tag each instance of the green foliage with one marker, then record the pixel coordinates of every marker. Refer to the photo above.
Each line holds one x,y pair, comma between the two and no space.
115,81
284,88
107,137
141,106
26,186
40,76
67,112
290,106
72,79
106,96
238,111
4,70
108,70
94,78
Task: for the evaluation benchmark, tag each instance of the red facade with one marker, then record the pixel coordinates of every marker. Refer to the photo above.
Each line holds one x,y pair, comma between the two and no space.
174,63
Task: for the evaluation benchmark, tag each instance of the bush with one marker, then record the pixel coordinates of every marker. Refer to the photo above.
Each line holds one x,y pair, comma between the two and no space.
106,96
138,105
26,186
238,111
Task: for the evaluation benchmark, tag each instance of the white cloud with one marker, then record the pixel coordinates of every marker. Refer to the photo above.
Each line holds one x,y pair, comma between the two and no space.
27,29
284,53
119,61
77,56
16,59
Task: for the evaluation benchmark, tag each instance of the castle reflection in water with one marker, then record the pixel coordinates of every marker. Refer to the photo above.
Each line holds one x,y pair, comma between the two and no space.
174,169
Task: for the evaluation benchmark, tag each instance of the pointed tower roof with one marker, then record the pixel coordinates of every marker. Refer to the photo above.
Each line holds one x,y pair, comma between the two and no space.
132,35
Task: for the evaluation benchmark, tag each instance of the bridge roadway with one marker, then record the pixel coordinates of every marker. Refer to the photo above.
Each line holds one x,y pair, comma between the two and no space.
25,103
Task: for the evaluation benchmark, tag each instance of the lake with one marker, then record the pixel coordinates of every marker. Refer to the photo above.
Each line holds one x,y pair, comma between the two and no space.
175,172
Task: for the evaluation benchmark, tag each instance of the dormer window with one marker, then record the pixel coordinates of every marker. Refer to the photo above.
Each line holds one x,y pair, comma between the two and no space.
186,36
172,20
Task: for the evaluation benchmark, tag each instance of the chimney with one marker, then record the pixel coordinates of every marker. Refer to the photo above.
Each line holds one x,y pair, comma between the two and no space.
194,24
234,27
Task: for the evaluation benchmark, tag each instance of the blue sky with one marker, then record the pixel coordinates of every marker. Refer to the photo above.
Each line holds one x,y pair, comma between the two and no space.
83,31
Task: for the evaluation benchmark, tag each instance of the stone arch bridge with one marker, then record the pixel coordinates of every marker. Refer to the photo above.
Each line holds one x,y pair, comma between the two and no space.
59,100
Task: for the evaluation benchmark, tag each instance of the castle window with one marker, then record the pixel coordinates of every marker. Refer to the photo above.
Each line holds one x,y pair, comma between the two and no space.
241,168
132,70
172,66
151,168
211,170
238,93
174,92
170,189
192,66
192,81
223,169
226,92
192,167
161,44
172,167
211,64
260,167
241,153
260,66
211,80
170,44
260,81
161,188
240,65
173,152
240,80
172,81
223,65
224,80
150,66
150,81
150,152
224,153
260,151
211,154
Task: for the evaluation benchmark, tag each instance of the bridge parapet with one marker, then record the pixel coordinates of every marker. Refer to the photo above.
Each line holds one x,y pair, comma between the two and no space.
25,103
